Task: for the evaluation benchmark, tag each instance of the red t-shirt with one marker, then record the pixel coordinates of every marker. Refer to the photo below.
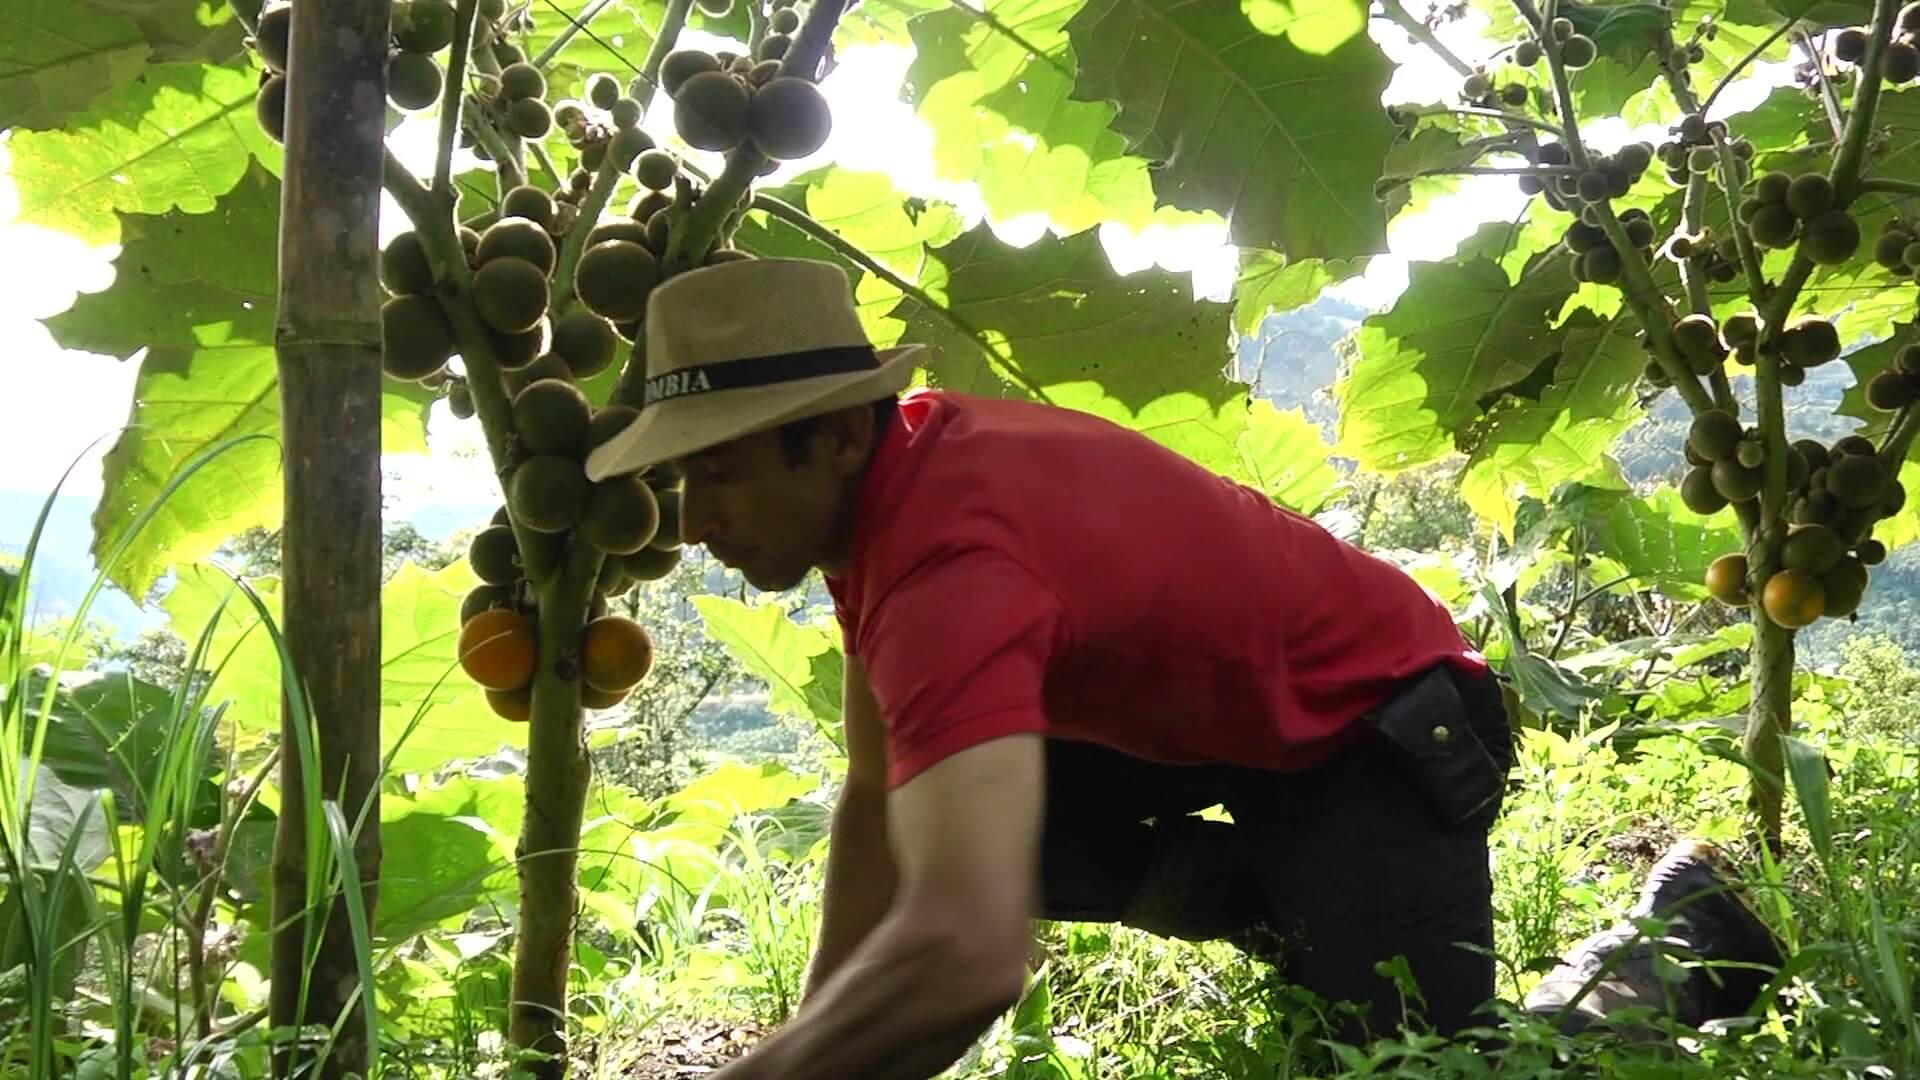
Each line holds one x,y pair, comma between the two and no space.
1023,568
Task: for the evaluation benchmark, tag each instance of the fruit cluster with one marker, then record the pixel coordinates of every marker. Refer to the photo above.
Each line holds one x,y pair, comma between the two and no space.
1596,259
1899,61
1606,177
721,101
1693,149
1784,209
1898,386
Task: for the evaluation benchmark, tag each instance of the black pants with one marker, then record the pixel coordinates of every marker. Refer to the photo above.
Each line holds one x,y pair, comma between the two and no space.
1345,863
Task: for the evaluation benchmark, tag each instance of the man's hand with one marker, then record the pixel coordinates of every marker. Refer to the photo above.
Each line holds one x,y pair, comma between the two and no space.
951,953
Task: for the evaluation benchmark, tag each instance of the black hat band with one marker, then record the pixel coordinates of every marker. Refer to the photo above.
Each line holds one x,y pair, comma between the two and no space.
759,371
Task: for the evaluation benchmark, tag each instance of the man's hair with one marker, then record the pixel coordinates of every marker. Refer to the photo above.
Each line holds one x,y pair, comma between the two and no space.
796,437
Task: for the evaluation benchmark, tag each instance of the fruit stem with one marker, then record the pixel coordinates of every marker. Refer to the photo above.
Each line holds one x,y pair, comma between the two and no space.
1419,32
674,21
1893,450
1887,185
797,218
688,246
1696,286
605,179
452,93
505,161
1734,71
574,26
453,287
1829,99
1562,89
756,26
1507,117
545,161
1851,160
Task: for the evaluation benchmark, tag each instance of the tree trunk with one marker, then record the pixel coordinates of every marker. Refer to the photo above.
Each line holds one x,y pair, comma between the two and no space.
558,771
1769,717
328,344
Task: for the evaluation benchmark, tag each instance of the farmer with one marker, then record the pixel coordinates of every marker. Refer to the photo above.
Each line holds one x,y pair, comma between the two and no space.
1062,641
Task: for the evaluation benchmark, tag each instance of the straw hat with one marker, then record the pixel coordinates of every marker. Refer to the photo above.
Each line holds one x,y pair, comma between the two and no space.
745,346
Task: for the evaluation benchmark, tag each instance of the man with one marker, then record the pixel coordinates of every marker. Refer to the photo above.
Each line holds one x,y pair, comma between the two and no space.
1063,641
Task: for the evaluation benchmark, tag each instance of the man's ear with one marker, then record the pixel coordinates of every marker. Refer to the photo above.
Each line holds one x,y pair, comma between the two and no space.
850,435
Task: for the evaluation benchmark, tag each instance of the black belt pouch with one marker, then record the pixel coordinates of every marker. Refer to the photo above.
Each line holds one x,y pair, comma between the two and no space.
1427,728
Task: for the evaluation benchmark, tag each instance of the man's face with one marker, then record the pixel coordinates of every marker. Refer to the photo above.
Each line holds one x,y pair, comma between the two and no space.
771,518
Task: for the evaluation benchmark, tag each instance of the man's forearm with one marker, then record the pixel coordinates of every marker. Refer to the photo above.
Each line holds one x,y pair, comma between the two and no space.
860,881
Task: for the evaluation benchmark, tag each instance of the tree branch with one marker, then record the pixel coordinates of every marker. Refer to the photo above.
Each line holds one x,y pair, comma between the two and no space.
1728,172
505,161
605,179
1829,99
1888,185
1508,118
1734,71
1848,164
674,21
792,215
452,94
1893,450
1418,31
574,27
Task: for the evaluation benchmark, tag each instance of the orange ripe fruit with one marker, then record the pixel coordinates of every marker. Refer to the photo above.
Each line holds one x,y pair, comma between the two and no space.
617,654
1794,598
497,649
602,699
514,705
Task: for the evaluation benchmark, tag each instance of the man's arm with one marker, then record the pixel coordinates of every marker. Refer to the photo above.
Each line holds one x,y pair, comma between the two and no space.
950,955
860,872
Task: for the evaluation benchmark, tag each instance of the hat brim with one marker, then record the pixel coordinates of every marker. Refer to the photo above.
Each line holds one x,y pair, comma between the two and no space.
689,425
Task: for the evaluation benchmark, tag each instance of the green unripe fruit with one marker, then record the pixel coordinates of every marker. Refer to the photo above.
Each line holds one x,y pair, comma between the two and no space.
1772,188
551,417
1562,28
1850,45
1602,265
629,143
621,517
1701,160
1791,375
626,113
470,242
522,82
648,205
1813,548
511,294
1773,226
1845,586
710,111
1639,232
493,556
1741,328
788,119
719,9
651,563
1810,342
1735,482
533,204
1796,470
548,493
424,26
516,351
1696,335
785,21
1809,194
1751,453
585,341
546,366
416,338
616,230
413,81
270,107
1577,52
1891,391
655,169
1890,250
1907,360
1871,553
773,47
683,64
669,534
1857,480
1854,445
1698,492
1899,63
1831,238
1815,453
529,118
603,90
614,279
518,238
482,598
1527,53
271,34
1715,434
608,421
404,268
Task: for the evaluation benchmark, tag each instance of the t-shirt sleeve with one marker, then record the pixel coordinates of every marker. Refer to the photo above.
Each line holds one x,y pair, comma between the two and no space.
957,655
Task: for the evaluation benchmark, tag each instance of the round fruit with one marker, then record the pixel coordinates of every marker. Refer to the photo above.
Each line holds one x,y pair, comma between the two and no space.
788,118
1527,53
510,294
601,699
1793,598
1900,63
710,111
271,34
1813,548
1831,238
655,169
1857,480
493,555
628,144
514,705
1891,391
668,535
1772,188
1773,226
1751,453
659,232
1639,232
1845,586
614,279
427,26
497,649
683,64
1890,249
1715,434
1850,45
404,268
622,516
460,401
626,113
1907,360
787,20
613,580
531,203
469,242
1796,470
270,108
551,417
529,118
1854,444
413,80
416,339
1698,492
616,230
519,238
483,597
1602,265
1727,579
1894,500
547,366
585,341
1696,335
1813,451
616,654
1809,195
773,47
608,421
651,563
1871,552
1577,52
1741,328
1735,482
548,493
1810,342
603,90
522,81
1562,28
716,8
514,352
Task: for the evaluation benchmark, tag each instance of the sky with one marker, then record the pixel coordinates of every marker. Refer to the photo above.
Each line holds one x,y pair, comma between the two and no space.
58,406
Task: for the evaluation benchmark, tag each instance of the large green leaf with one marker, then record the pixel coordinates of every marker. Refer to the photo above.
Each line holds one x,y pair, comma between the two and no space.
1137,349
995,86
1664,544
616,40
108,734
444,852
1268,283
1283,455
1460,331
197,293
1866,363
183,29
802,665
419,628
1534,438
55,58
179,136
1282,135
